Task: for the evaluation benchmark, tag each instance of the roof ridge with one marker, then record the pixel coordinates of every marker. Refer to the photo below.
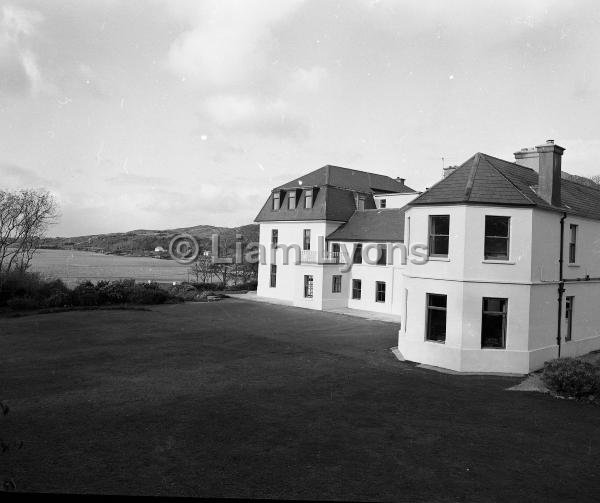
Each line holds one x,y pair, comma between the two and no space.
508,179
452,173
508,162
472,174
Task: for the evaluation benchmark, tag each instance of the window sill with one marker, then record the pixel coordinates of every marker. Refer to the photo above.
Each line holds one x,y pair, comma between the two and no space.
574,265
438,259
490,261
435,342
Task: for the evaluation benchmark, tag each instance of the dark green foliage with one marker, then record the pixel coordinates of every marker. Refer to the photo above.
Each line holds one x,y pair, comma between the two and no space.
148,293
572,377
26,291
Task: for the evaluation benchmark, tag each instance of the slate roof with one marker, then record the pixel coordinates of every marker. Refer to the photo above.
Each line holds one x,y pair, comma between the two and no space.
378,225
484,179
350,179
334,196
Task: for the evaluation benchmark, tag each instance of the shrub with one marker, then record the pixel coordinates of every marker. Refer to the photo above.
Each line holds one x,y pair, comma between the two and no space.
572,377
30,291
23,303
207,286
184,291
85,294
148,293
249,285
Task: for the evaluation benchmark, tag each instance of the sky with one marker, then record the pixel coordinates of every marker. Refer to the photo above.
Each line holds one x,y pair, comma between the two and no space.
160,114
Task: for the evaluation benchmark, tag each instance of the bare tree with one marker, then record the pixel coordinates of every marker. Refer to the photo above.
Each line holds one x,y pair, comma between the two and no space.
24,218
201,269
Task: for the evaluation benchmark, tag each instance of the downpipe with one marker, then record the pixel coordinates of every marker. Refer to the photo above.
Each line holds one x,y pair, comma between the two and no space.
561,281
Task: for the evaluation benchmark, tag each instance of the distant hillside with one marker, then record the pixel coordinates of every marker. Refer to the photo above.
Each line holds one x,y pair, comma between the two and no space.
144,241
580,179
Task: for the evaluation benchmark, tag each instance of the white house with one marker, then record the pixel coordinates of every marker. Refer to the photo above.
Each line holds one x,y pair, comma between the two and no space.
512,273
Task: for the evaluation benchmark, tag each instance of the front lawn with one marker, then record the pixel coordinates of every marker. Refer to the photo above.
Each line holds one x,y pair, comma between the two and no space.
251,400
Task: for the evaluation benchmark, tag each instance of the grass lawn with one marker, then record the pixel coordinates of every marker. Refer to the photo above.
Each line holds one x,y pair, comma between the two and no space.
242,399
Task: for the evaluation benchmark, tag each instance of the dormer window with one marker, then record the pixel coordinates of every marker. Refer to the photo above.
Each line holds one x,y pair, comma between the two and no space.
292,200
361,203
308,199
276,201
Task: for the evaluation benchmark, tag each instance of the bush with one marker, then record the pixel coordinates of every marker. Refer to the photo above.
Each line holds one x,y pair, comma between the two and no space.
572,377
184,291
29,291
249,285
206,286
148,293
23,303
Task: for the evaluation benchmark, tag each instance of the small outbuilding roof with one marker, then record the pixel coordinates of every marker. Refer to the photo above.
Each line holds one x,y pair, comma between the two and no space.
374,226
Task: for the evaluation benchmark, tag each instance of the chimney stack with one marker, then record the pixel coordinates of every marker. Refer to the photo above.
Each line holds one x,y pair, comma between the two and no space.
401,180
549,171
528,157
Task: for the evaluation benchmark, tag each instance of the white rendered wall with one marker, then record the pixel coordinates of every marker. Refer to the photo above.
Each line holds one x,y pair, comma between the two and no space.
289,233
395,200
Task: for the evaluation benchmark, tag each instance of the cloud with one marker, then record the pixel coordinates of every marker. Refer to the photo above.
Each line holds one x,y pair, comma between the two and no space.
229,41
243,113
17,177
18,64
310,79
133,179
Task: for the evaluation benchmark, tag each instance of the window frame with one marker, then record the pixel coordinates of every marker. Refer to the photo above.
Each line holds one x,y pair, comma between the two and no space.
274,238
573,231
305,239
569,305
292,197
273,276
336,283
383,203
360,203
380,292
276,199
308,196
428,311
503,314
356,287
358,247
486,236
431,237
308,286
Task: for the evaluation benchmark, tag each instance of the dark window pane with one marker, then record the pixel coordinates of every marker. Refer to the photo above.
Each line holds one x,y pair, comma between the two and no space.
306,241
356,289
496,226
439,245
380,291
437,300
336,284
493,323
436,325
308,286
496,248
440,224
494,304
357,259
